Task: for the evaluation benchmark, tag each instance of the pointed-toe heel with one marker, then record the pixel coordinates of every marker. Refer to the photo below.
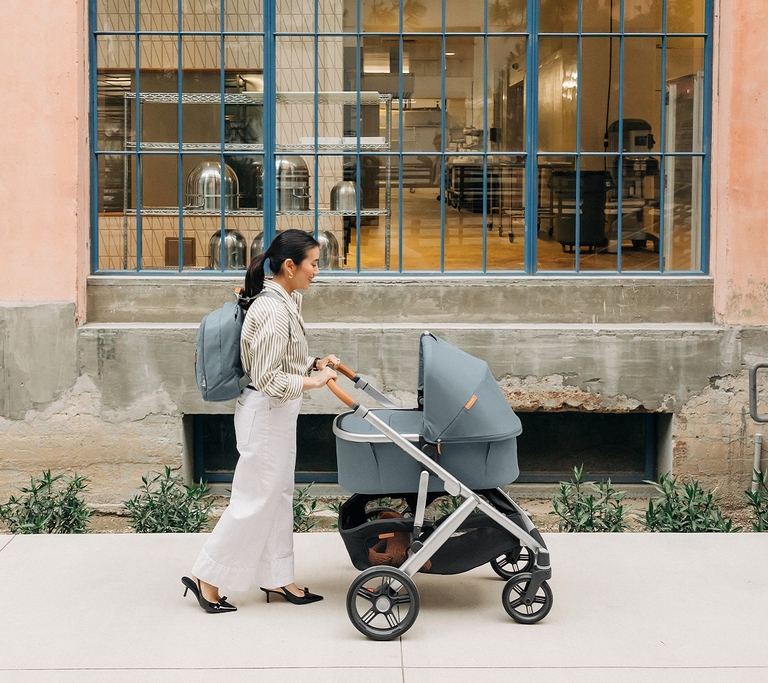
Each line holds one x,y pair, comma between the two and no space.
290,597
211,607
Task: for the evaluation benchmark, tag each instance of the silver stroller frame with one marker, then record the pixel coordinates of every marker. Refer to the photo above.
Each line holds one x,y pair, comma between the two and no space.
522,591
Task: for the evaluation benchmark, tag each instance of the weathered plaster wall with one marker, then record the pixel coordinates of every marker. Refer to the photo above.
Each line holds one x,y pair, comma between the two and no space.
44,148
108,400
740,131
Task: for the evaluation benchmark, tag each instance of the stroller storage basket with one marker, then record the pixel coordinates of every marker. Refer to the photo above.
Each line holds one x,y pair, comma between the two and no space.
370,463
478,541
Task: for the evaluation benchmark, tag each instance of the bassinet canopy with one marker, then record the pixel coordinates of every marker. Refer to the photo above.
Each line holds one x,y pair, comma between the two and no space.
461,399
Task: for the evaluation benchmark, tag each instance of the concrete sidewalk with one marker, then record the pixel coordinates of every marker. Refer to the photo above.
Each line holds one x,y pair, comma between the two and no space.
627,607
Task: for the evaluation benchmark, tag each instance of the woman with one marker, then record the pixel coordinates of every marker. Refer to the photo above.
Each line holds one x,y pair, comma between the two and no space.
253,541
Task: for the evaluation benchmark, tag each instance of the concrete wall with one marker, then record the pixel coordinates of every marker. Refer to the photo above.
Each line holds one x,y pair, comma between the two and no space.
109,400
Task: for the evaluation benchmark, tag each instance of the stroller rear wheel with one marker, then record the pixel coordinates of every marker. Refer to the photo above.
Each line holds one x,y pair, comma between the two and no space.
518,607
510,564
383,603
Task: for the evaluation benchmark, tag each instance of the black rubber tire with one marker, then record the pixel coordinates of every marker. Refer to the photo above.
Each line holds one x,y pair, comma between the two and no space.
512,599
521,559
377,609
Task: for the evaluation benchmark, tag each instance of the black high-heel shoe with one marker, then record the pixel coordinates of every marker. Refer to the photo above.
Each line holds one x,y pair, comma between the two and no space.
211,607
295,599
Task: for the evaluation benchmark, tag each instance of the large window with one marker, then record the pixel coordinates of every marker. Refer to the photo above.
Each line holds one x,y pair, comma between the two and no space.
482,136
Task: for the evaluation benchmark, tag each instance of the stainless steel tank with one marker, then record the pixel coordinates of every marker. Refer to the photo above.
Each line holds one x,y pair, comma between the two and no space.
235,248
344,196
250,174
291,184
204,187
329,249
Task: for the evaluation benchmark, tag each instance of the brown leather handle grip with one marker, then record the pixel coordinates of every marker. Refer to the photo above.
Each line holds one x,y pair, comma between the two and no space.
342,395
344,370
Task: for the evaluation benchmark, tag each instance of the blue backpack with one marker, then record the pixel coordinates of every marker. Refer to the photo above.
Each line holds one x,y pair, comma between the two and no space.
218,369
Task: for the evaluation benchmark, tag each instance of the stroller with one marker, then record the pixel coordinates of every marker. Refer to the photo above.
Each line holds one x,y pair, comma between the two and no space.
459,441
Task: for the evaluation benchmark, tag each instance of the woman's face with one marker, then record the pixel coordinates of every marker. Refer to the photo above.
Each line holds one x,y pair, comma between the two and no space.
305,272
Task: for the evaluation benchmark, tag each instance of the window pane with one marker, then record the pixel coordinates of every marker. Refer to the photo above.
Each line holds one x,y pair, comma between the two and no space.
682,214
507,16
240,15
580,236
115,15
295,16
505,241
506,94
377,244
685,16
685,95
158,15
466,16
117,233
642,95
558,16
596,16
598,90
636,234
643,16
200,15
557,94
424,16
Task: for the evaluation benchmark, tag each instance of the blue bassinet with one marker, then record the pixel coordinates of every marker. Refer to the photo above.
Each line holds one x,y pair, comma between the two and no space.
464,421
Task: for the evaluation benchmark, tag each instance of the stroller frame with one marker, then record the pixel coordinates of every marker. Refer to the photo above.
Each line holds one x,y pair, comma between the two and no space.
527,593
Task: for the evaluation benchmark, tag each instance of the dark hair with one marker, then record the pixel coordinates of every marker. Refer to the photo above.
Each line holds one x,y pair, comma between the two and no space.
291,244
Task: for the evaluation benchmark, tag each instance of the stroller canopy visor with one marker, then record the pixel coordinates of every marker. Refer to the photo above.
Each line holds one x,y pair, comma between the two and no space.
461,399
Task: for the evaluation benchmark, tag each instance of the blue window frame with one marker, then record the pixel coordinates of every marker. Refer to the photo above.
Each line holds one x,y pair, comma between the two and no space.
428,137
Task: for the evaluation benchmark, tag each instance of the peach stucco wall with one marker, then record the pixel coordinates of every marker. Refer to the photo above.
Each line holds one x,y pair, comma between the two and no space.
43,151
739,254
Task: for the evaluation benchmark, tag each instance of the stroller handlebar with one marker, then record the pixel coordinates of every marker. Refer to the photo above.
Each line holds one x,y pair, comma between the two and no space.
360,383
344,370
342,395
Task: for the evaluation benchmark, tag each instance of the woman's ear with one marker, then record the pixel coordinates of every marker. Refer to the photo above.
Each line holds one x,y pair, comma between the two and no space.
289,267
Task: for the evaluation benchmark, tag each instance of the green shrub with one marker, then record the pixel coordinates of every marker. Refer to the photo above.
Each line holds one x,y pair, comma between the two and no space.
303,508
758,502
684,508
167,505
589,506
50,505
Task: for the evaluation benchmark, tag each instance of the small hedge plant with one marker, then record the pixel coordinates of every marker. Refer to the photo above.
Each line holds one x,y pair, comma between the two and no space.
589,506
684,507
49,505
758,502
167,505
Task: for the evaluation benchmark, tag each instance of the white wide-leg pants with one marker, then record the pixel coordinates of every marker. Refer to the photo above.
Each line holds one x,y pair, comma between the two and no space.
252,544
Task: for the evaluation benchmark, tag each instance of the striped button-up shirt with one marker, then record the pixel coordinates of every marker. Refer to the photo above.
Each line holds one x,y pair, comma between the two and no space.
273,344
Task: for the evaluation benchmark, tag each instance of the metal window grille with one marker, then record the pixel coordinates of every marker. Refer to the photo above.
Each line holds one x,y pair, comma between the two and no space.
354,91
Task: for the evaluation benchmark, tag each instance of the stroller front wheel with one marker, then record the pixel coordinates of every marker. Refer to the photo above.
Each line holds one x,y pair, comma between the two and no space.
510,564
382,603
518,607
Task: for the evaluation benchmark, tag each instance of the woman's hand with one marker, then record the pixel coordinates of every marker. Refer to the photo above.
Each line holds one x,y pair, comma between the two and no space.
322,363
322,377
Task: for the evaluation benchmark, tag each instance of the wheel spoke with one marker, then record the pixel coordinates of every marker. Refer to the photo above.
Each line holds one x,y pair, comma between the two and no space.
368,617
403,599
519,588
392,619
366,593
514,604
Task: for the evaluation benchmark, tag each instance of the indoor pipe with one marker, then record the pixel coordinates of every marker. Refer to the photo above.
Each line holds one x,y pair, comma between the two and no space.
756,462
